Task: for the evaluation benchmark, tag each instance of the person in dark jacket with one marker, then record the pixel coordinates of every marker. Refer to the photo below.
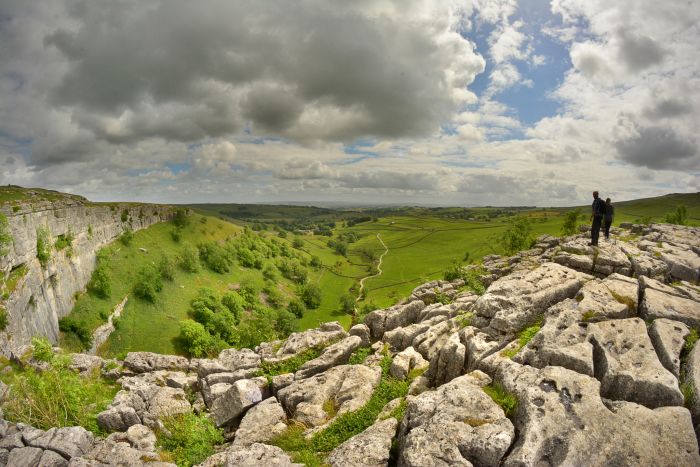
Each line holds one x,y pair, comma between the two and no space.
609,213
597,213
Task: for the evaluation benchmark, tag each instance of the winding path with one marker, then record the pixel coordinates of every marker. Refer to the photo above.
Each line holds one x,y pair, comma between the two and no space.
379,270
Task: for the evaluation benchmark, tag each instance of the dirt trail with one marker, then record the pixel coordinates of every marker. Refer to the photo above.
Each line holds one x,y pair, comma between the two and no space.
379,270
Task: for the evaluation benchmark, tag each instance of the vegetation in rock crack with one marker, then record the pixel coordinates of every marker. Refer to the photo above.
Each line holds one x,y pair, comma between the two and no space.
5,236
464,319
312,451
524,337
687,388
57,396
13,279
4,318
64,241
289,365
43,245
507,400
471,275
359,356
630,302
188,439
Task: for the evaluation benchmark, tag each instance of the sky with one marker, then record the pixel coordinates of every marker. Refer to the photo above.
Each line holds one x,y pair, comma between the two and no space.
413,102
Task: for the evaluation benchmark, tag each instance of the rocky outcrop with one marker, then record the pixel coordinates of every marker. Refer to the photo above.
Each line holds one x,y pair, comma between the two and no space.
368,449
44,294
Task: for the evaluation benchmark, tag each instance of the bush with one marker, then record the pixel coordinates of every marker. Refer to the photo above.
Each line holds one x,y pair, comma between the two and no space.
570,225
125,215
148,283
507,401
311,296
254,329
297,308
234,303
4,318
64,241
347,303
127,237
166,267
42,350
285,323
100,283
269,272
5,236
196,340
189,438
189,259
517,237
181,218
679,216
43,245
69,324
298,243
176,234
57,397
215,257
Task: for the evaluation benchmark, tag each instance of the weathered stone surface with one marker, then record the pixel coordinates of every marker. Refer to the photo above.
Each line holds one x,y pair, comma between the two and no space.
281,381
627,365
668,338
381,321
456,424
657,304
515,301
479,345
683,263
165,402
261,423
405,361
348,386
83,362
212,392
118,418
367,449
448,362
613,297
692,379
300,341
333,355
180,380
362,331
242,395
142,438
112,452
605,259
562,420
257,455
52,459
434,338
142,362
25,457
228,361
401,338
73,441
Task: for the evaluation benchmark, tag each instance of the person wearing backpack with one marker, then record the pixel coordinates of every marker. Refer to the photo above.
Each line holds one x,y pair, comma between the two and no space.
609,214
597,213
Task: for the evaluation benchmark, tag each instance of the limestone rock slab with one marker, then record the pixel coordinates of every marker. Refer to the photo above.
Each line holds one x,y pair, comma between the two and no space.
261,423
367,449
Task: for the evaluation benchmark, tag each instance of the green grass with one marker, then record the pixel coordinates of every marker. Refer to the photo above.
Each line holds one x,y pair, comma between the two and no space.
290,365
188,439
507,401
524,337
13,278
359,356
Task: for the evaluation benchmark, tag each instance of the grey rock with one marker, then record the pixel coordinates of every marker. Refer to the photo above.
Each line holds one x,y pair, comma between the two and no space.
668,338
403,337
281,381
165,402
627,365
367,449
261,423
73,441
212,392
479,346
515,301
231,405
448,362
300,341
692,379
434,338
111,452
657,304
562,420
25,457
362,331
118,418
52,459
143,362
180,380
142,438
419,385
11,441
85,363
405,361
228,361
613,297
456,424
683,263
257,455
333,355
381,321
348,386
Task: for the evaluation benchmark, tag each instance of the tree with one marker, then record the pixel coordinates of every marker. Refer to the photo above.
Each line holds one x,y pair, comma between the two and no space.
181,218
166,267
234,303
196,340
570,225
679,216
518,236
189,259
311,295
148,283
347,303
297,308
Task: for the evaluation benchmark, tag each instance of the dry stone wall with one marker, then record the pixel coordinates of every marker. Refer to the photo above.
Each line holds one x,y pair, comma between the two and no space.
45,293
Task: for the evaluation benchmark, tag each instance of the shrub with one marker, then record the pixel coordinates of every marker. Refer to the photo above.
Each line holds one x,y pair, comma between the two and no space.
125,215
148,283
176,234
347,303
297,308
5,236
166,267
181,218
189,438
285,323
269,272
43,245
4,318
311,295
298,243
189,259
127,237
100,283
69,324
215,257
518,236
679,216
254,329
63,241
196,340
289,365
42,349
570,225
57,397
359,356
234,303
316,262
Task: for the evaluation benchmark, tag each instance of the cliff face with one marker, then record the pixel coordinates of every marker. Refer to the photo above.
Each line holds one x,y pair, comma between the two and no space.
36,296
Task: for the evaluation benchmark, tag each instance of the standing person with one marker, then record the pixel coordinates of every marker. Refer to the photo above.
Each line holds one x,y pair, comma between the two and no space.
609,213
597,213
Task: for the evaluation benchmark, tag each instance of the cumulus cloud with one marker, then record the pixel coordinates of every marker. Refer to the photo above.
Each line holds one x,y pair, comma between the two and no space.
659,148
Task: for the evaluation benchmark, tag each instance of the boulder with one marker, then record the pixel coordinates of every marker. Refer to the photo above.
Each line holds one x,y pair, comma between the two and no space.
333,355
143,362
627,366
300,341
84,363
118,418
515,301
228,361
448,362
362,331
657,304
73,441
456,424
381,321
51,459
257,455
261,423
668,338
405,361
367,449
692,380
612,297
25,457
230,406
165,402
562,420
348,387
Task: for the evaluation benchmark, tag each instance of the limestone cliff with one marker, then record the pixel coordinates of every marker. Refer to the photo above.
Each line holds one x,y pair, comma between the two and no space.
36,296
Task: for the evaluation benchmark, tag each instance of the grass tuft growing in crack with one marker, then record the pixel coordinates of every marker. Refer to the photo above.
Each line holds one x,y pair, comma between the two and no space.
507,400
524,337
